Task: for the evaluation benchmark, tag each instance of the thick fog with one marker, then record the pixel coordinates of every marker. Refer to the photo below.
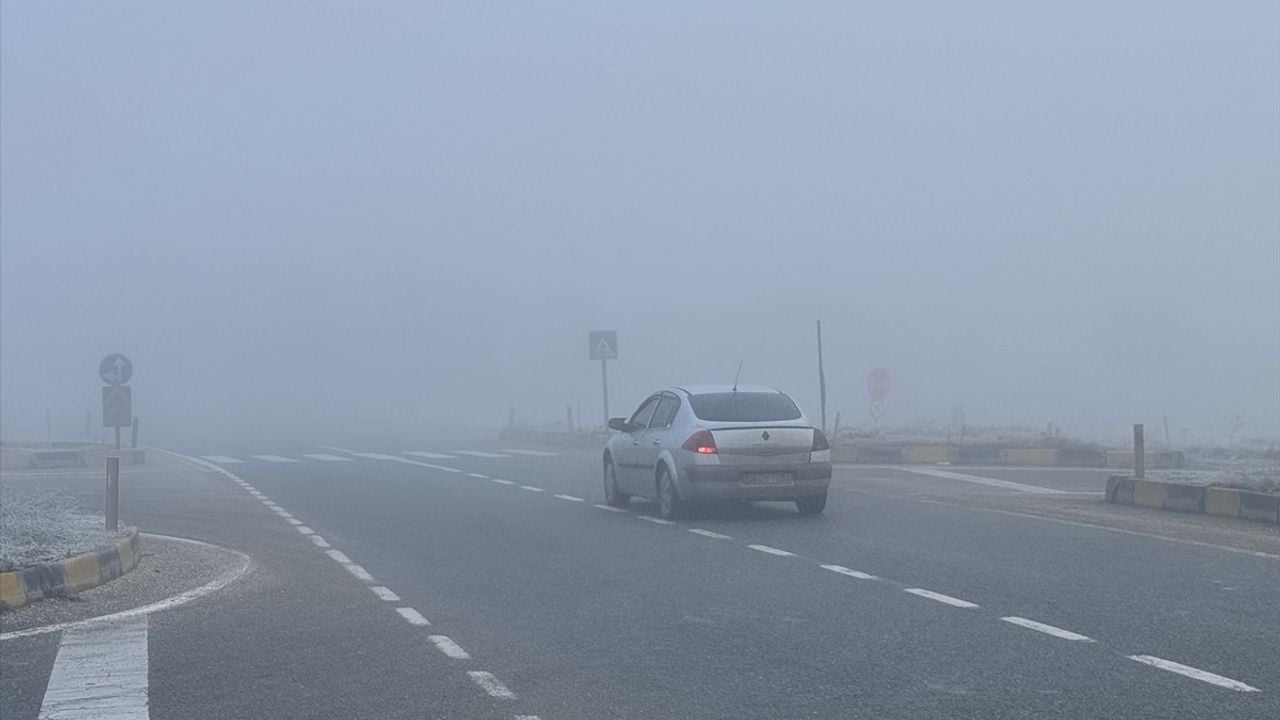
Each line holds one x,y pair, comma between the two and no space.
324,218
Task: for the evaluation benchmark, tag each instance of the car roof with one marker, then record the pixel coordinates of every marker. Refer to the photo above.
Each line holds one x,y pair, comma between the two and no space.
706,389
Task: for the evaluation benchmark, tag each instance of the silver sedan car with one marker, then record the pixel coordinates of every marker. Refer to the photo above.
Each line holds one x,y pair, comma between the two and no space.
690,443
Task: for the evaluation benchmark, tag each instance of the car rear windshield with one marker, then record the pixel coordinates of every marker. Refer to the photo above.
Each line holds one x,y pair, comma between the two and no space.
744,407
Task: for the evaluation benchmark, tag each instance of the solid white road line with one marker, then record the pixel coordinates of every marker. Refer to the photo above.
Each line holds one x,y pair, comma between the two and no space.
478,475
532,488
275,458
360,573
376,456
710,534
319,541
99,672
384,593
479,453
1194,673
772,550
338,556
222,459
977,480
655,520
532,453
325,457
429,455
502,482
570,498
1047,629
957,602
610,508
842,570
413,616
491,684
449,647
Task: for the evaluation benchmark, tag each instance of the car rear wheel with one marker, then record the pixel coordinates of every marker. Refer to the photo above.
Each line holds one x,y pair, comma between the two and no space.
811,505
669,504
612,495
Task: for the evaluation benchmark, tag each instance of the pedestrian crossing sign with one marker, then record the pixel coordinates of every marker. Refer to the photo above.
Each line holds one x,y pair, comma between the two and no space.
603,344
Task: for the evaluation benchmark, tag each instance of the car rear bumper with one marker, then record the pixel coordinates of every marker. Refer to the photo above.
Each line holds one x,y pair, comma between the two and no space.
736,481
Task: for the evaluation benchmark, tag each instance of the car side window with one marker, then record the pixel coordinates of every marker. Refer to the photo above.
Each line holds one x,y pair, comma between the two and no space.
640,420
665,412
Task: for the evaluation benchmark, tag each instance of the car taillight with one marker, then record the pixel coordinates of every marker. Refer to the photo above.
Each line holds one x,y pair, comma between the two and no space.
820,440
701,442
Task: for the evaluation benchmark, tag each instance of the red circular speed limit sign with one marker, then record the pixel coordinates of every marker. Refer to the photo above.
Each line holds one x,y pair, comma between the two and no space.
878,384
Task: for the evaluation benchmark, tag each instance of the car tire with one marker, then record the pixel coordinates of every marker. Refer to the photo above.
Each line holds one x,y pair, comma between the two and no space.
811,505
612,495
669,503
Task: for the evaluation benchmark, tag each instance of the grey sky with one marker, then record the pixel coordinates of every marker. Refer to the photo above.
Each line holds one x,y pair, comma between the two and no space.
356,215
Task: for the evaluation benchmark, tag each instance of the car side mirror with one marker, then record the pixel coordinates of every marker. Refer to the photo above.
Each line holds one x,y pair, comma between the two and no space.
619,424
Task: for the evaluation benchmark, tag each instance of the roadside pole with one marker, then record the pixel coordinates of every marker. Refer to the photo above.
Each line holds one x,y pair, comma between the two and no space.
1139,453
113,492
602,345
604,388
822,381
133,438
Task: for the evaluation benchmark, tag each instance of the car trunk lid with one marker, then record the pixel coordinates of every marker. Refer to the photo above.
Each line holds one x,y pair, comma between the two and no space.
763,444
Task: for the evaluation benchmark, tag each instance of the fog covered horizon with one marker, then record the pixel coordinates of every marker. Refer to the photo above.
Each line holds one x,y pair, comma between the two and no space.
330,218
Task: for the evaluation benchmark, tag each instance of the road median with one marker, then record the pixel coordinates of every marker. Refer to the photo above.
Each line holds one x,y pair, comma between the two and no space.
72,575
1195,499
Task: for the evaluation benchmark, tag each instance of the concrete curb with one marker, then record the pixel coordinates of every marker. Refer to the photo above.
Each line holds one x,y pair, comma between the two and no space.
70,576
1196,499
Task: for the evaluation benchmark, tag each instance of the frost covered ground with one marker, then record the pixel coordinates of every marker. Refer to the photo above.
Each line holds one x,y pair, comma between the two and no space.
42,525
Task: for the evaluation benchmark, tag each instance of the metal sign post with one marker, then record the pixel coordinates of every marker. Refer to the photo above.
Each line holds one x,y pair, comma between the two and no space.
822,381
602,345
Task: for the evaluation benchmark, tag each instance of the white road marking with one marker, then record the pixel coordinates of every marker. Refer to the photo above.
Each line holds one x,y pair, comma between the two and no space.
655,520
282,512
977,480
294,521
384,593
376,456
479,453
478,475
1047,629
533,453
842,570
449,647
430,455
491,684
407,461
570,498
413,616
275,458
527,717
222,459
772,550
99,672
531,488
502,482
325,457
1194,673
957,602
305,530
710,534
319,541
257,494
360,573
610,508
338,556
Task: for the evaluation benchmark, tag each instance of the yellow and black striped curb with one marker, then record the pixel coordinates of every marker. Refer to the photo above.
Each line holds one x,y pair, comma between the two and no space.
1205,500
104,564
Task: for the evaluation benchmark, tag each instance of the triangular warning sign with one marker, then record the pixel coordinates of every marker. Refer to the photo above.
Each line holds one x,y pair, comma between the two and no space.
603,349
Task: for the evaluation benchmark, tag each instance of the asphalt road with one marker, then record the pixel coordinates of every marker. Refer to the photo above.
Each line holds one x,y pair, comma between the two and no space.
916,595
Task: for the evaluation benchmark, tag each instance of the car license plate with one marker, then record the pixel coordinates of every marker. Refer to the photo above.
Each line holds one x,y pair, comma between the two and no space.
767,478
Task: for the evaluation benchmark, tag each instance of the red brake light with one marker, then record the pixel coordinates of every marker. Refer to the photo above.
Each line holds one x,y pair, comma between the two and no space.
820,440
701,442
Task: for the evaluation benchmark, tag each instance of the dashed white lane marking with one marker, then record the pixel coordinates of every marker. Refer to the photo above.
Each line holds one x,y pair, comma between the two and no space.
478,475
319,541
1194,673
610,508
772,550
305,530
325,457
842,570
338,556
449,647
527,717
222,459
533,453
710,534
570,498
384,593
100,671
275,458
294,521
413,616
491,684
655,520
429,455
1047,629
376,456
407,461
480,454
532,488
361,574
977,480
954,601
502,482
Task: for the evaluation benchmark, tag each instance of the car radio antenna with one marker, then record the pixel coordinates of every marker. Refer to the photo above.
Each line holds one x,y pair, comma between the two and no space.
736,376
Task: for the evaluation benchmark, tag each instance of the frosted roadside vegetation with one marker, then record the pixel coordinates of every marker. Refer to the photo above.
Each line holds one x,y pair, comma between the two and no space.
40,525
